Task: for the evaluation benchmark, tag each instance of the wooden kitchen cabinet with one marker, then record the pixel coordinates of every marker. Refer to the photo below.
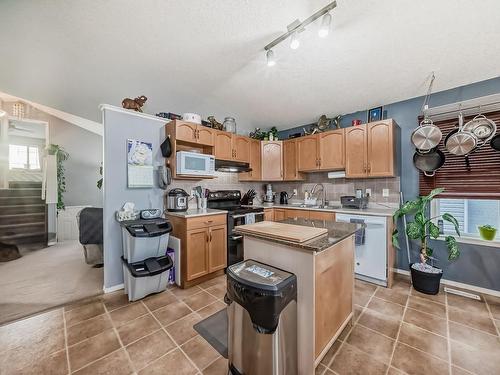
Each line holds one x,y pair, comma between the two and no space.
223,145
268,214
321,152
300,214
241,147
307,152
255,163
193,133
322,215
290,161
279,214
356,151
272,157
203,247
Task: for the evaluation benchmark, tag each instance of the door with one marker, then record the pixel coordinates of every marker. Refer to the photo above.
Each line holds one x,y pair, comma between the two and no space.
268,214
205,135
290,160
223,145
241,147
217,251
185,131
255,163
331,150
293,214
321,215
307,153
279,214
355,151
272,154
380,149
197,253
370,245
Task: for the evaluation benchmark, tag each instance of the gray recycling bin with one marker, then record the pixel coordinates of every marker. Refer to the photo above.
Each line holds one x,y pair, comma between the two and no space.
262,319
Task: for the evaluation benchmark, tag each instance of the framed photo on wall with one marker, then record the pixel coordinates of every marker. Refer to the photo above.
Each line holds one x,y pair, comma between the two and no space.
139,164
375,114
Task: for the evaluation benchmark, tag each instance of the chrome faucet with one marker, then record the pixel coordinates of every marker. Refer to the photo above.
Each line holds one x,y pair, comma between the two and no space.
313,191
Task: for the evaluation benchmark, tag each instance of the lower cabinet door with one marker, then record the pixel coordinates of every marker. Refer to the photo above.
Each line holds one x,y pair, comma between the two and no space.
197,253
217,248
279,214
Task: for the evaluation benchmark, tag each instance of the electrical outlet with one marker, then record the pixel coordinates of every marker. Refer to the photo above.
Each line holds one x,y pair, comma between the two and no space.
385,192
368,192
295,192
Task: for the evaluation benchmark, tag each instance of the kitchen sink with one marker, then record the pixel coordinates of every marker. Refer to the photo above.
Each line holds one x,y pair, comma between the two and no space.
301,205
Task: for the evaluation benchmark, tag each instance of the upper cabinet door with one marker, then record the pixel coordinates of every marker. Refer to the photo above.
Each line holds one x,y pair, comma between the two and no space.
185,131
290,160
331,150
380,162
307,151
355,151
255,163
205,135
272,156
223,145
241,147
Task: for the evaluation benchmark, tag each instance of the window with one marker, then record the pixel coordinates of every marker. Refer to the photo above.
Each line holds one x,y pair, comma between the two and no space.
470,214
24,157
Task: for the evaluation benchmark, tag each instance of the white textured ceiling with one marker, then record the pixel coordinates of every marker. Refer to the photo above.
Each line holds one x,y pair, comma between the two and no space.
206,56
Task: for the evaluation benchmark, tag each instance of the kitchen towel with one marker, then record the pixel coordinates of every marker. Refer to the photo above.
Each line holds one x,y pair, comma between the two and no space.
359,236
249,218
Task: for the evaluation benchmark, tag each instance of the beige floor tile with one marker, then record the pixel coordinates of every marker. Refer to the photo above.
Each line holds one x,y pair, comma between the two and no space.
352,361
357,311
426,321
494,304
381,323
429,307
476,360
182,330
198,301
467,304
115,300
327,359
219,290
82,302
138,328
92,349
219,280
176,363
428,342
88,328
459,371
84,312
149,348
116,363
218,367
345,332
475,338
183,293
368,341
389,309
360,298
364,287
395,371
440,297
54,364
481,322
211,309
170,313
392,295
127,313
200,352
159,300
415,362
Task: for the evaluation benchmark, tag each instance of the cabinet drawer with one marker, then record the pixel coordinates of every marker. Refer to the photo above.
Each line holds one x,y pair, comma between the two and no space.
205,221
321,215
301,214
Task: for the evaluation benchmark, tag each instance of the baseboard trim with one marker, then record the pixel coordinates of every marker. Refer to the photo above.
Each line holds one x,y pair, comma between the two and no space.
113,288
457,284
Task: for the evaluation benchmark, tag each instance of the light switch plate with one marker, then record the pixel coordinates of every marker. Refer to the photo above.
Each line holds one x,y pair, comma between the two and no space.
368,192
295,192
385,192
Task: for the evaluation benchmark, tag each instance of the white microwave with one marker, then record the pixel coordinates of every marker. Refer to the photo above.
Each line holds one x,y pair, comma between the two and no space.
192,163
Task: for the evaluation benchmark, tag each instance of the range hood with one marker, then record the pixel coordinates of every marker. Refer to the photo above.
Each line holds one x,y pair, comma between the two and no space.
231,166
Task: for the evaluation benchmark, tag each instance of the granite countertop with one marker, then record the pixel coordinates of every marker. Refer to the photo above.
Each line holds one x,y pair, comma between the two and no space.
337,231
194,212
371,211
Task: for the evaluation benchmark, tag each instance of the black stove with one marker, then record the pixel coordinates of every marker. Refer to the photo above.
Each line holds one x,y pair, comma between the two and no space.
238,214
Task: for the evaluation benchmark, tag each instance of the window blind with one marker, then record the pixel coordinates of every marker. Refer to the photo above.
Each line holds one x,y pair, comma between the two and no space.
479,179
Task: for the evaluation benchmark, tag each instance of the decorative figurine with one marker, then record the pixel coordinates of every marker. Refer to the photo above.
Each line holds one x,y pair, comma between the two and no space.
215,124
135,104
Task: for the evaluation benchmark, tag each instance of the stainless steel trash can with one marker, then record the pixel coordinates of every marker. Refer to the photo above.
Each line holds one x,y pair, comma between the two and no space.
262,314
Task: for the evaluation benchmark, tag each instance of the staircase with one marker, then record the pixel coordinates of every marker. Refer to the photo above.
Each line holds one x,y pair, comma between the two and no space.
23,219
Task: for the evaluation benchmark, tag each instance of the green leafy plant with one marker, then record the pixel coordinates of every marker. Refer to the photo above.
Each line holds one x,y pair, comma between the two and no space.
423,228
61,155
99,182
487,232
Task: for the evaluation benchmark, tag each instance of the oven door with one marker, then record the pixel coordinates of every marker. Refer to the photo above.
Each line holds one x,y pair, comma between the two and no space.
235,252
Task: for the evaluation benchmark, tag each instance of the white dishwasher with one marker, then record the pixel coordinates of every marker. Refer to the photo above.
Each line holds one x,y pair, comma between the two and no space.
371,247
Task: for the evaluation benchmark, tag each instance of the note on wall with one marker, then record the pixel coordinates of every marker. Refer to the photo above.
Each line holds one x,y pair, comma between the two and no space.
139,164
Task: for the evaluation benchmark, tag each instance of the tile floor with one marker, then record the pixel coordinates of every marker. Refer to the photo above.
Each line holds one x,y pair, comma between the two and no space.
394,331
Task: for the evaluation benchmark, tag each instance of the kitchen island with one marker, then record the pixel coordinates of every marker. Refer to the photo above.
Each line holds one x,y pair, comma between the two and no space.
324,266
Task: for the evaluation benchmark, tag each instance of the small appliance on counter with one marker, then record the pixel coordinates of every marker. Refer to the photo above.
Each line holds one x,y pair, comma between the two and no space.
284,197
350,201
194,164
177,200
270,194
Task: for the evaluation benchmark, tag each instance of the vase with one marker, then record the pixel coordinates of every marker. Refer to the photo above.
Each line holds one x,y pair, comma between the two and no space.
425,282
488,234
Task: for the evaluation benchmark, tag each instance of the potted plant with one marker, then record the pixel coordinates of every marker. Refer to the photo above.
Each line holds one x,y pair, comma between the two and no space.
62,155
426,278
487,232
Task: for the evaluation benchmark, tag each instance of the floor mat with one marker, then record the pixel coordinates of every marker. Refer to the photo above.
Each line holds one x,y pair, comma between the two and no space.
214,330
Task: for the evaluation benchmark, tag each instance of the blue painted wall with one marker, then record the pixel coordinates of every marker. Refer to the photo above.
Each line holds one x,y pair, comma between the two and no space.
478,265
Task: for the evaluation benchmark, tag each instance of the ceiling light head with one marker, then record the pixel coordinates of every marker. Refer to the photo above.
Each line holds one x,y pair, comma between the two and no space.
325,25
271,61
294,41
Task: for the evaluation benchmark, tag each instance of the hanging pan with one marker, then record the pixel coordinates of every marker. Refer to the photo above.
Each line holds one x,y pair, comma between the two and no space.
482,127
427,136
495,142
429,162
460,142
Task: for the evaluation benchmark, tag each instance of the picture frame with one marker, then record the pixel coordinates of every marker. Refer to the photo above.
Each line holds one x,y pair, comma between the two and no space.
375,114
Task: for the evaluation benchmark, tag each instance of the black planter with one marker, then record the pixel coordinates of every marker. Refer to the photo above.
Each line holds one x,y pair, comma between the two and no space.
425,282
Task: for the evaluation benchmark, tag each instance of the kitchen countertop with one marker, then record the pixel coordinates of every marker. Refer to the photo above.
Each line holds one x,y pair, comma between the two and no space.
194,212
337,231
367,211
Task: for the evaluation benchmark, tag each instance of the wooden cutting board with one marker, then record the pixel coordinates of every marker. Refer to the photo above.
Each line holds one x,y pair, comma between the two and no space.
282,231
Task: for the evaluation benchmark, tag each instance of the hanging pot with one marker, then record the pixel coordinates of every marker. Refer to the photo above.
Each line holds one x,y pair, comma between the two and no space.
427,136
495,142
459,142
429,162
482,127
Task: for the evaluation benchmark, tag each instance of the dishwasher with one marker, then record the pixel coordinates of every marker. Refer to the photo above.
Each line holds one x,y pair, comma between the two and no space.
371,247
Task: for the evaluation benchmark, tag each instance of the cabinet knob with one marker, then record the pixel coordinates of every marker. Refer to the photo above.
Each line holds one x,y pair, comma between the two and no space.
369,167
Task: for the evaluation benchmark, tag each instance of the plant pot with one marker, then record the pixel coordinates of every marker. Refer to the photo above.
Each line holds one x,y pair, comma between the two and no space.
488,234
424,282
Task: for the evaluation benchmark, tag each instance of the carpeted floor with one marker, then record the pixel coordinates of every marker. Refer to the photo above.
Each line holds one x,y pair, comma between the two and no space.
46,278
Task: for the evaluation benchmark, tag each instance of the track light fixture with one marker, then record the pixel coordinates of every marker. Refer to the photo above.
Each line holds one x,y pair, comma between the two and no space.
297,26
